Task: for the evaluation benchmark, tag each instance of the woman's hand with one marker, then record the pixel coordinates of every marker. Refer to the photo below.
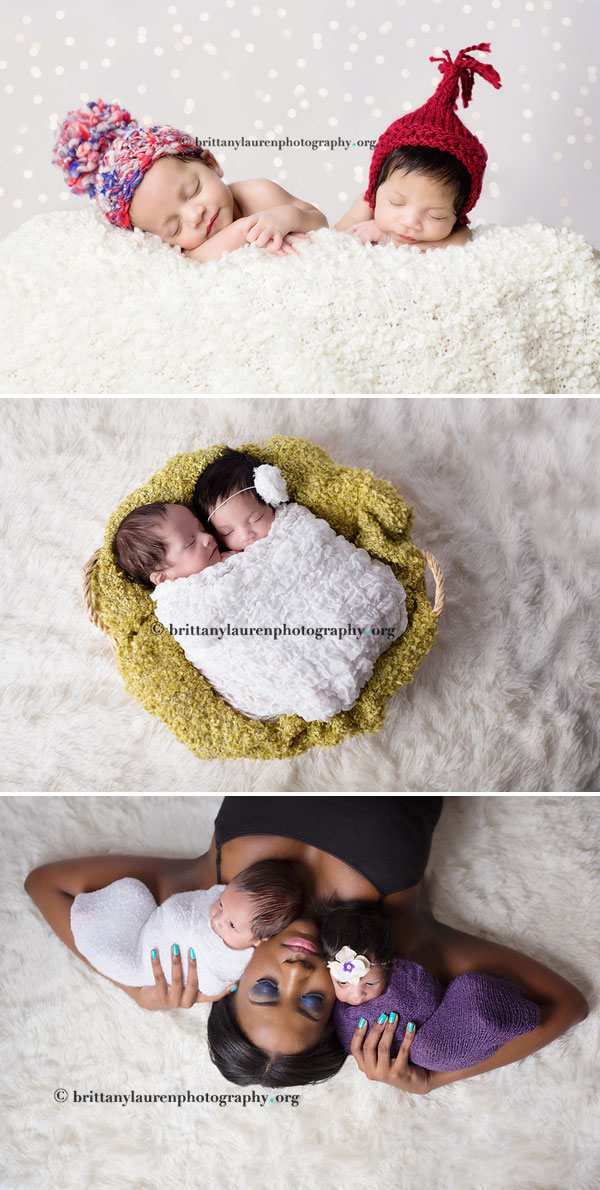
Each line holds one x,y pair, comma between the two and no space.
160,995
372,1054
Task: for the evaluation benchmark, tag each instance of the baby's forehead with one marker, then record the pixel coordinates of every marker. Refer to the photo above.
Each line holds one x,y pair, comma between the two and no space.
234,504
180,517
405,177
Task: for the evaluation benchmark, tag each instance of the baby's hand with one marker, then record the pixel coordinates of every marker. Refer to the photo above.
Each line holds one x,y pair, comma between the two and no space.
268,229
369,233
287,247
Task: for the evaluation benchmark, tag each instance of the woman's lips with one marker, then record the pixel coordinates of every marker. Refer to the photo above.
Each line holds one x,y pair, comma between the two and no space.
301,944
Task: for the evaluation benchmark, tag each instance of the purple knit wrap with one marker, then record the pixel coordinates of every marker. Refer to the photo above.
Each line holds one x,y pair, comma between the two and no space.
457,1026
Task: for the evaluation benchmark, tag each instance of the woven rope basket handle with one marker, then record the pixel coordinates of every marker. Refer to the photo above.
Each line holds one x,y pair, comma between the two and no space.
93,616
87,599
438,575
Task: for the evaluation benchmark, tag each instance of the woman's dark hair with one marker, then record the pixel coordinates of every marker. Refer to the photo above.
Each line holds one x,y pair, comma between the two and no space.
231,472
244,1063
436,164
360,925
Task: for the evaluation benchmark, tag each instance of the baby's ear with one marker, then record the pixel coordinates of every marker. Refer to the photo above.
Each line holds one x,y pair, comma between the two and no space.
256,943
211,161
157,577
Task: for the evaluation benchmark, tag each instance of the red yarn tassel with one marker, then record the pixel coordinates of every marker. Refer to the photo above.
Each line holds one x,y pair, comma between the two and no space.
461,72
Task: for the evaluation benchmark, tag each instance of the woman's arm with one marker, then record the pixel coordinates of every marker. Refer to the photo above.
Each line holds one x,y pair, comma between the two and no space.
54,886
561,1004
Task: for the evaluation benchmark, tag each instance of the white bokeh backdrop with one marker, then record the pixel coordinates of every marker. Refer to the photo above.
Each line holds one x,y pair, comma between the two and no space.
312,70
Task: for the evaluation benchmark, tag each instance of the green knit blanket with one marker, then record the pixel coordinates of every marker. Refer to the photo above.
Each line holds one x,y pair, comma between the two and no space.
368,511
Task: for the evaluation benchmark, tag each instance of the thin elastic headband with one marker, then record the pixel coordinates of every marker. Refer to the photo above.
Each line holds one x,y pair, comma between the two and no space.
250,489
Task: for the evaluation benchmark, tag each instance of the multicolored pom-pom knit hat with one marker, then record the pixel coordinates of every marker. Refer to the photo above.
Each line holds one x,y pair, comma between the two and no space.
436,125
105,154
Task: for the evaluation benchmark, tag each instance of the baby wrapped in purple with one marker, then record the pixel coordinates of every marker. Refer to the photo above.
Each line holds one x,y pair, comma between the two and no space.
457,1026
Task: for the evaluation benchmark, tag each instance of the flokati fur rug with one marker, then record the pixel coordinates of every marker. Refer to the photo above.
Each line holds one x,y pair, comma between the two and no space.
92,308
523,871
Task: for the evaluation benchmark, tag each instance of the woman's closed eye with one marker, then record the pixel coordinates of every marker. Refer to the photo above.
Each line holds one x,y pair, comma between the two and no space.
266,991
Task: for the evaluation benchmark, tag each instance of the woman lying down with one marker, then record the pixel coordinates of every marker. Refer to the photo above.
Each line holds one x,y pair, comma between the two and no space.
289,618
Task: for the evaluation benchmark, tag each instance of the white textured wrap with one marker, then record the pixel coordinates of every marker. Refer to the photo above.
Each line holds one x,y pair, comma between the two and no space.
116,927
301,575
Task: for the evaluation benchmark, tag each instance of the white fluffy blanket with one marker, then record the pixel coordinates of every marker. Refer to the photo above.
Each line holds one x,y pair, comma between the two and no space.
319,611
116,927
90,308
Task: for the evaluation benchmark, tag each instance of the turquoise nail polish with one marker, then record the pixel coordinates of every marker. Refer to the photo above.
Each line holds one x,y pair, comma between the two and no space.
192,953
175,950
154,954
392,1017
233,989
382,1018
362,1022
411,1027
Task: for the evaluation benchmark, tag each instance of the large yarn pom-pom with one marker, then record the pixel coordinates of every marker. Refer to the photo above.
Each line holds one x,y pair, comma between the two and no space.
461,72
83,138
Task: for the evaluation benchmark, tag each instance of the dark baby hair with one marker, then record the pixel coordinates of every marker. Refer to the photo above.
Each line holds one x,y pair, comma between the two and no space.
244,1063
231,472
138,547
360,925
277,895
436,164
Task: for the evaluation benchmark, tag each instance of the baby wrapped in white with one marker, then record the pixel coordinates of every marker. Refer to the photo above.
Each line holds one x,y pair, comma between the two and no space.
116,927
336,610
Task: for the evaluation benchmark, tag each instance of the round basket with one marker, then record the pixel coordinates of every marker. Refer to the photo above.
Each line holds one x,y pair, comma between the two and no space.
368,511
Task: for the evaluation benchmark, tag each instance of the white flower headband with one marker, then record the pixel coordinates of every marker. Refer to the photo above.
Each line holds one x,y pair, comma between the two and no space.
268,482
348,966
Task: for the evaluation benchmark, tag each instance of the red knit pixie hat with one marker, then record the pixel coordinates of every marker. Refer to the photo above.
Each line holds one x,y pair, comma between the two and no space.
436,126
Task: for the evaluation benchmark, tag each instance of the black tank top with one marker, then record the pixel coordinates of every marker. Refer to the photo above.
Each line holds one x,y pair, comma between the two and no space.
385,839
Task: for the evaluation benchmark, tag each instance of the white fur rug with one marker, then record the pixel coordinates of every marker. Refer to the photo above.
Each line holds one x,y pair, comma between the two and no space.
91,308
523,871
505,495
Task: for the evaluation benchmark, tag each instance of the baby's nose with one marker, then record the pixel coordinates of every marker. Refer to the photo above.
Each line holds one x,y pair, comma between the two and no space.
195,215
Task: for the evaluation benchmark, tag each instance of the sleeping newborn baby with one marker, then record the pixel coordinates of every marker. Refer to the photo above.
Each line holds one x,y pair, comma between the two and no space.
116,927
290,618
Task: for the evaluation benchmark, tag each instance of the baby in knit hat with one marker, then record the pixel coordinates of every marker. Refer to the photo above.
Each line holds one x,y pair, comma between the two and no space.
117,927
427,168
457,1026
161,180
